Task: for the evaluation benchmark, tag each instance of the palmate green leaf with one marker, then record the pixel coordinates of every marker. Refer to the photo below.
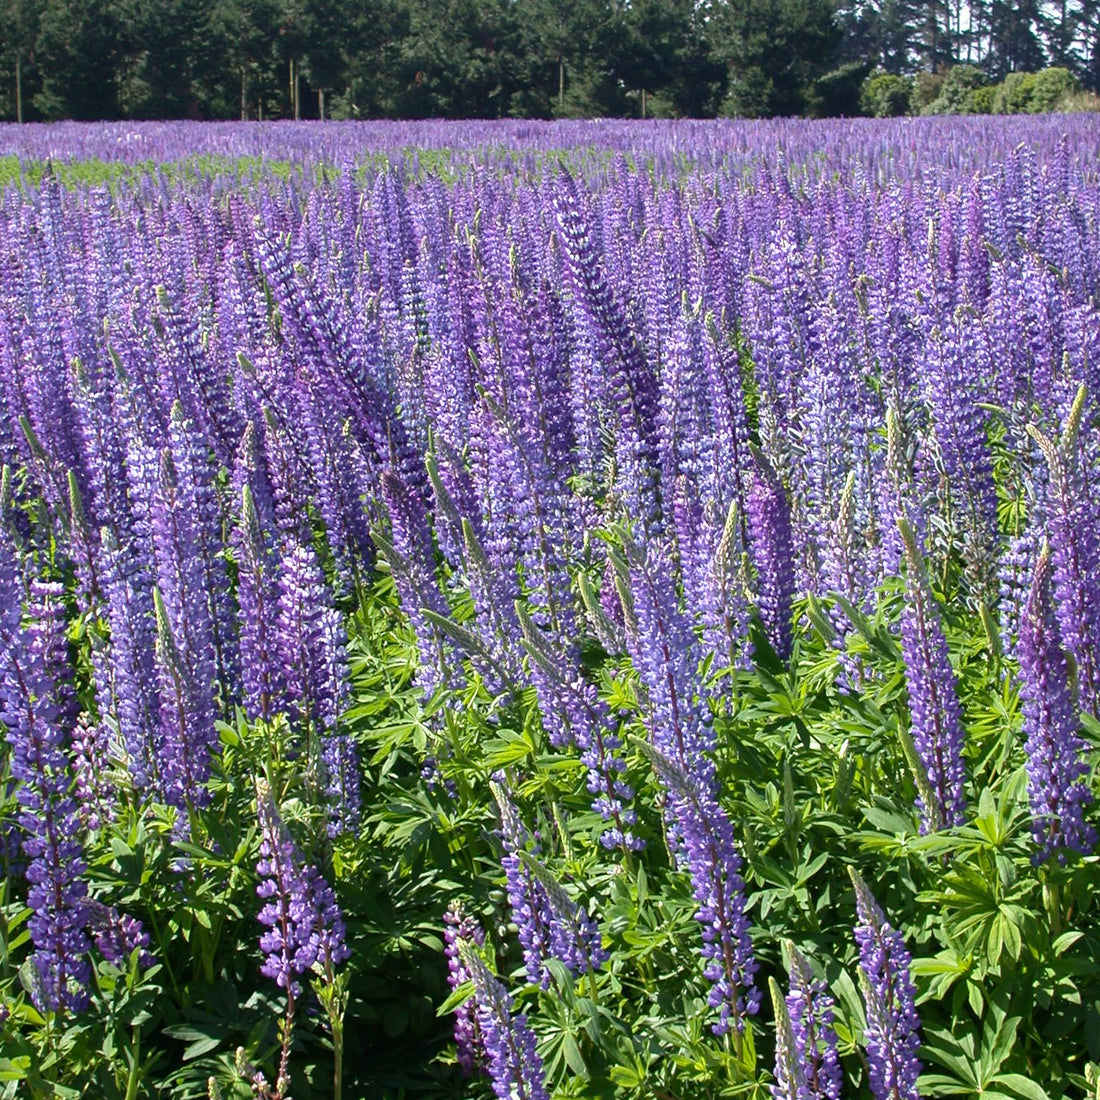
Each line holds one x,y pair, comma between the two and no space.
1020,1086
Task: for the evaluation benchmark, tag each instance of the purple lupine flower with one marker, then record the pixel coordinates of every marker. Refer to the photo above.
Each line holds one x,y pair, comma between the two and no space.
340,767
460,926
409,555
117,935
48,815
772,545
790,1076
257,596
128,661
1057,774
933,704
200,533
309,640
550,924
573,712
666,654
893,1026
706,845
94,790
725,611
1073,508
187,737
303,921
631,384
515,1067
810,1009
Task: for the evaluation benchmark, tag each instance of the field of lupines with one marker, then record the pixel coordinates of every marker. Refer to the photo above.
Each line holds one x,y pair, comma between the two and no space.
583,610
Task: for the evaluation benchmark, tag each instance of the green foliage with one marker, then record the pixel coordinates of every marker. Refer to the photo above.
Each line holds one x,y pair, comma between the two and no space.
1052,88
838,92
926,89
774,54
956,92
885,95
1013,96
816,779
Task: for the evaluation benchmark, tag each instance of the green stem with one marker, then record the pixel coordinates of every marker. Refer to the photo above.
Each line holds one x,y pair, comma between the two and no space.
337,1056
133,1079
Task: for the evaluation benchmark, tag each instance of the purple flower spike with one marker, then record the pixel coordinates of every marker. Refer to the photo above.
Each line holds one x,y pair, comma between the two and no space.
769,516
304,924
790,1076
934,707
551,925
893,1026
810,1009
515,1067
1057,785
704,834
460,926
48,816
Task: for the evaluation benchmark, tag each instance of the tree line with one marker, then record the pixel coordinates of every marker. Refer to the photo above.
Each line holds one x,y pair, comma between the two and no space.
109,59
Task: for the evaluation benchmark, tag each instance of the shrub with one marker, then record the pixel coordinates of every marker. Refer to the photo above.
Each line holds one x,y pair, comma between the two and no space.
926,87
1013,96
980,101
884,95
1051,89
956,92
1081,101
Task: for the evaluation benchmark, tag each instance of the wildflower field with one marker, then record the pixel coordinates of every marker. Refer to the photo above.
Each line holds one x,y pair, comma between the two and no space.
581,610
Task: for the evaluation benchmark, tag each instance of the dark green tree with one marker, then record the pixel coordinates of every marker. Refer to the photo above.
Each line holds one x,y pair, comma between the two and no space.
18,37
1015,44
774,51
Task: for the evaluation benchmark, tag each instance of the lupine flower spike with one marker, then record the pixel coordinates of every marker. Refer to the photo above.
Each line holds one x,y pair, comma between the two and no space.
893,1026
515,1067
1056,772
810,1009
933,705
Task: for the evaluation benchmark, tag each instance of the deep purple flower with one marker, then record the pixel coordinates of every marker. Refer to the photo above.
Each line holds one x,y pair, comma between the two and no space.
572,712
1073,509
310,641
810,1009
460,926
1057,774
893,1026
262,672
550,923
933,704
707,847
515,1067
118,935
304,924
49,816
772,547
94,790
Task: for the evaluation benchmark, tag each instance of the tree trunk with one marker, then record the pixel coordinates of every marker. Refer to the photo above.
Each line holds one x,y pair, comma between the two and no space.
561,84
321,103
244,100
18,88
643,103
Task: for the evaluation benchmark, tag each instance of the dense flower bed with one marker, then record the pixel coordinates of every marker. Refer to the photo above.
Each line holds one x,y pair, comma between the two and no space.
620,570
